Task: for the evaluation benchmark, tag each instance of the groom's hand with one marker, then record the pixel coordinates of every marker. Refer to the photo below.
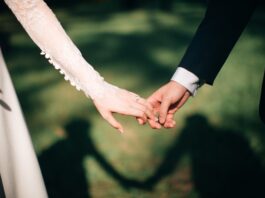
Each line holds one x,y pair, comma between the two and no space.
166,101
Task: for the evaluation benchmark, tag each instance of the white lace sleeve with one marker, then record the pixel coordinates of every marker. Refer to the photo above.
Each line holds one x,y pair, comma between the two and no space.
45,30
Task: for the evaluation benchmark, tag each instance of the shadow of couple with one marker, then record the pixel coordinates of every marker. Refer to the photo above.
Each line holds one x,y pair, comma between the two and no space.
222,162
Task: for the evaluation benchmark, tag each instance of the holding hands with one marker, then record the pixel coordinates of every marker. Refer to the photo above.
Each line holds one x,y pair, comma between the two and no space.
158,110
165,102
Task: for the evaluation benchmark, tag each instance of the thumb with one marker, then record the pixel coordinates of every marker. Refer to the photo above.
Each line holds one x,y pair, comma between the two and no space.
184,99
112,121
164,110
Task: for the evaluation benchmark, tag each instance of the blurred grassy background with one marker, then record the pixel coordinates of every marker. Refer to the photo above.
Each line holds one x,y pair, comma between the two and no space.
218,146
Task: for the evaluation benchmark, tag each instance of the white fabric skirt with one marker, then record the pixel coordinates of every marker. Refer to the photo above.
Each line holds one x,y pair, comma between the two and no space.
19,169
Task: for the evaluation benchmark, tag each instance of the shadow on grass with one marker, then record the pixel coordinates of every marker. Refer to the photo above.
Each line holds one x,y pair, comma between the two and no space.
62,164
223,164
222,160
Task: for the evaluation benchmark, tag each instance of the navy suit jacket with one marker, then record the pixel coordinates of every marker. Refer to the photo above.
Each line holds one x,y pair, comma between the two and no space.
215,37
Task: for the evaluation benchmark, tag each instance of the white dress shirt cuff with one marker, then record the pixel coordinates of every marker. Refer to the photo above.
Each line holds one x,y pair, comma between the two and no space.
187,79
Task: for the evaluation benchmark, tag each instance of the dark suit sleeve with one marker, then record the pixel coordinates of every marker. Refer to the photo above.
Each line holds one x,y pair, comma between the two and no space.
215,37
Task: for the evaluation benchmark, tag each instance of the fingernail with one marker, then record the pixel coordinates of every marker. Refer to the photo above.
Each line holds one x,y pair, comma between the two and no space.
121,130
161,121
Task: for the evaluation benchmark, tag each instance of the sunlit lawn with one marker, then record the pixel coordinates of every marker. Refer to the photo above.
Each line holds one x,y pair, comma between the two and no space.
139,50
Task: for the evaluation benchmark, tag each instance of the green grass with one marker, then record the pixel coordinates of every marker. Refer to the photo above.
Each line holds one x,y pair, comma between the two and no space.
139,51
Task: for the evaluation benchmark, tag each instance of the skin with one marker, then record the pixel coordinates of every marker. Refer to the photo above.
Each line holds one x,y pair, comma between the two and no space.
125,103
166,101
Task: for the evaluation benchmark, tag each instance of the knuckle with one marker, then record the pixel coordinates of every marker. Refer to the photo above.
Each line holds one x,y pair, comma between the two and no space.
166,98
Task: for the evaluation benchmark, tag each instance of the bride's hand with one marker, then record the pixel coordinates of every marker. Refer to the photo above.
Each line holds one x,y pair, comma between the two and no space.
123,102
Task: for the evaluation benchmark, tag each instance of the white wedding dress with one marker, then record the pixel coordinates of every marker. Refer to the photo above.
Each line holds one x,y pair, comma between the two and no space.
19,169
